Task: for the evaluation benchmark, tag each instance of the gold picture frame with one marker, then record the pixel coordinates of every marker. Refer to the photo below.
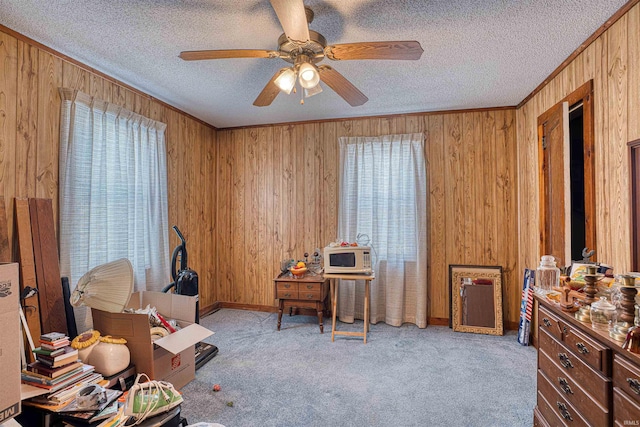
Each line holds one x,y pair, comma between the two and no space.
476,299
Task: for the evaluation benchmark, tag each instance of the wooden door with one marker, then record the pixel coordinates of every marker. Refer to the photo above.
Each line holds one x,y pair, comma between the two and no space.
553,149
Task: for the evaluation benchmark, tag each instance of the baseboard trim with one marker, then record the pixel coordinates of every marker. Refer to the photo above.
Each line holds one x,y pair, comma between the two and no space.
511,326
435,321
249,307
210,309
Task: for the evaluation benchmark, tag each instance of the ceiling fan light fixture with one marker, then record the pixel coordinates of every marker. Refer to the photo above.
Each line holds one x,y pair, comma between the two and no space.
286,80
312,91
308,76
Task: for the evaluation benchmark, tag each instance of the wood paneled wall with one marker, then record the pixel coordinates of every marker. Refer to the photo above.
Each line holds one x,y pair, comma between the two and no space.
30,76
613,62
278,186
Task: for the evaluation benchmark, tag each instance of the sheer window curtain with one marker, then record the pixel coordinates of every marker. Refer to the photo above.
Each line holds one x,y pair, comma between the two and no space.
113,193
383,194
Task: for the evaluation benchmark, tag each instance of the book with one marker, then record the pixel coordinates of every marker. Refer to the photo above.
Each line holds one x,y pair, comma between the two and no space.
40,368
84,374
47,352
70,355
32,377
54,346
118,420
64,394
53,336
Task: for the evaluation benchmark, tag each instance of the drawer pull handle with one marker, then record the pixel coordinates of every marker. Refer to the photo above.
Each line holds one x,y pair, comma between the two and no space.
309,286
565,330
286,285
287,295
563,411
564,385
546,322
564,360
634,384
309,296
582,348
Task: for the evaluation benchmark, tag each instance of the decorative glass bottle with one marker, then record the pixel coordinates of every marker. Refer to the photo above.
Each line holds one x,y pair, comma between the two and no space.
603,314
547,275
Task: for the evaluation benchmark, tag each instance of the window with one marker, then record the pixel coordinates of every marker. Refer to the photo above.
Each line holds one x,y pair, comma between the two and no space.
383,196
113,192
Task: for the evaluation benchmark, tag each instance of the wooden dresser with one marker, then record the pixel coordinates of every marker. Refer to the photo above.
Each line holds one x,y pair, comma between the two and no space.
584,377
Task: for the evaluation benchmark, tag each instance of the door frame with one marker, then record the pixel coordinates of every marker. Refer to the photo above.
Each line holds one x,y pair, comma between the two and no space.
585,94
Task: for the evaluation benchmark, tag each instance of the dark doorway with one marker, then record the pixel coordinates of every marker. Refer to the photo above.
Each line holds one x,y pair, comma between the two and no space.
576,166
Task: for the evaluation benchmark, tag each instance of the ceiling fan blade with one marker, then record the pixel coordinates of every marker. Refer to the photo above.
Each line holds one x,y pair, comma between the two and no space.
292,18
342,86
375,50
269,92
194,55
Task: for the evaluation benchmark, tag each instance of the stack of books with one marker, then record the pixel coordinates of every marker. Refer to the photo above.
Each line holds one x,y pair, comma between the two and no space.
58,370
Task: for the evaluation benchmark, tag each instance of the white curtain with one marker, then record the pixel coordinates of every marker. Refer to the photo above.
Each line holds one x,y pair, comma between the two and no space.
113,193
383,196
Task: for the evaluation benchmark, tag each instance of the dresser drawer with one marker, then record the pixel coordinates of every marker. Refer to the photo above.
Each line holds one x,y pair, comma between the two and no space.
538,419
626,412
567,387
626,377
549,322
565,414
589,379
587,349
548,413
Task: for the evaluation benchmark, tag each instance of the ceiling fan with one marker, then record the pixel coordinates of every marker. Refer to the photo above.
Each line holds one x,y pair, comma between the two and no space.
304,49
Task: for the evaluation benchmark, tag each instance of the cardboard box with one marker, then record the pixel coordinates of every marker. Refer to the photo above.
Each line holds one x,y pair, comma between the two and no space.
10,341
171,358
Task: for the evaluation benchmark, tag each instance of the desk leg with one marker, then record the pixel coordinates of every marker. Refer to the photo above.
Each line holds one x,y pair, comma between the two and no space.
334,295
319,310
280,308
366,309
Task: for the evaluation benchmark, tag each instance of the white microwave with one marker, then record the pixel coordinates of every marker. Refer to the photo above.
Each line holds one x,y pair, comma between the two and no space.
347,259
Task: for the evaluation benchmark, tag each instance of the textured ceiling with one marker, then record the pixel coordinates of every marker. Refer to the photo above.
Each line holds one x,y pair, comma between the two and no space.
477,53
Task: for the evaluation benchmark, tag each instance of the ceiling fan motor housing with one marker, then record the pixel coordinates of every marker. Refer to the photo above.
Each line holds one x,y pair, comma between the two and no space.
312,48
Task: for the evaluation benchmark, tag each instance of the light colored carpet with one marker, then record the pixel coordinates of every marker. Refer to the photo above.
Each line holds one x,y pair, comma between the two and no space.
403,376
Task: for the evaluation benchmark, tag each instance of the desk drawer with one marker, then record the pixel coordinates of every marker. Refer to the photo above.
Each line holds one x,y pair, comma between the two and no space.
626,377
309,295
286,290
558,404
572,392
549,323
626,412
583,374
587,349
287,286
306,287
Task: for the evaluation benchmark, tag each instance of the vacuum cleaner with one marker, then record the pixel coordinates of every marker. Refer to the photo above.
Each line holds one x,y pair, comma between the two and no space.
185,282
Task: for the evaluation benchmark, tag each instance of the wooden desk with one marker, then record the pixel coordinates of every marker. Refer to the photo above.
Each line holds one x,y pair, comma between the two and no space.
306,292
334,295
